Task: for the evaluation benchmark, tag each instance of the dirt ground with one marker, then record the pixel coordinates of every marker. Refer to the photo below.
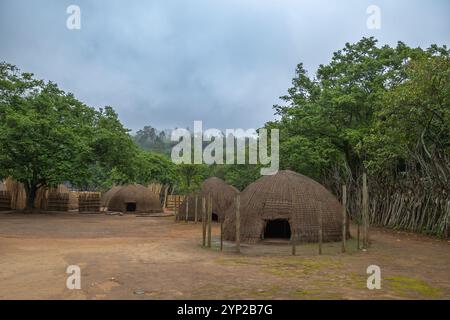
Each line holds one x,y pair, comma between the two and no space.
129,257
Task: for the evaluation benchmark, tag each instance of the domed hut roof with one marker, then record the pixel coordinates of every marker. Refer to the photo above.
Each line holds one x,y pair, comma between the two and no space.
286,205
222,194
135,198
108,195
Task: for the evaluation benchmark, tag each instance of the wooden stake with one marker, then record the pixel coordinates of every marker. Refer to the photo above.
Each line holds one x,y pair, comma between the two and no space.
175,209
238,223
187,208
204,220
221,236
320,228
293,242
365,207
209,220
357,235
344,217
196,209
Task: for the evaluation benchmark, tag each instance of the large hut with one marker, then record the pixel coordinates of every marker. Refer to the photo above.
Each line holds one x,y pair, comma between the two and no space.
286,205
134,198
106,197
223,196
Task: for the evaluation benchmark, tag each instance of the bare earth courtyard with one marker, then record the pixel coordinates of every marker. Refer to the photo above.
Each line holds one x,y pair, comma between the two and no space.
129,257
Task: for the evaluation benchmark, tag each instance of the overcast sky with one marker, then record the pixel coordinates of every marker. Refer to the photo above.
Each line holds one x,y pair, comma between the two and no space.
226,62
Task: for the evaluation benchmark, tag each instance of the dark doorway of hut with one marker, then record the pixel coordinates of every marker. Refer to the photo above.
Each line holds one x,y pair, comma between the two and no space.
214,217
131,206
277,231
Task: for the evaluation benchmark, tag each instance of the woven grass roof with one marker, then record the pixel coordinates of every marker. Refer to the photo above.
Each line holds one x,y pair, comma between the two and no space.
145,200
291,196
222,196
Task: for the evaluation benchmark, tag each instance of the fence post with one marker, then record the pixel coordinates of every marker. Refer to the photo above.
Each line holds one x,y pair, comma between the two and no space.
209,220
187,208
175,206
238,223
204,221
344,217
293,242
365,207
319,217
221,236
196,209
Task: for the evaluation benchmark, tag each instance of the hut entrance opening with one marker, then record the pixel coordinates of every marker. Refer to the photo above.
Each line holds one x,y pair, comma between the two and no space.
215,217
277,229
131,206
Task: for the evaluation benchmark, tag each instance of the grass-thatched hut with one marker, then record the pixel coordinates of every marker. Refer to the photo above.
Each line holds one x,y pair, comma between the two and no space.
222,194
106,197
134,198
286,205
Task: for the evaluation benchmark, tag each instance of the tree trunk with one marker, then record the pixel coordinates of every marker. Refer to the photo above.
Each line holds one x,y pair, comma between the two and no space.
31,190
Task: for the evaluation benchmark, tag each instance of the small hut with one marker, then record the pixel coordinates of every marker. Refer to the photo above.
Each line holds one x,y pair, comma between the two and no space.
134,198
222,194
286,205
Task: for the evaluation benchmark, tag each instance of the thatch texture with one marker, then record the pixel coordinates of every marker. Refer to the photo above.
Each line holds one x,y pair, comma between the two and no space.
137,196
106,197
73,200
5,200
53,199
89,202
222,197
291,196
18,194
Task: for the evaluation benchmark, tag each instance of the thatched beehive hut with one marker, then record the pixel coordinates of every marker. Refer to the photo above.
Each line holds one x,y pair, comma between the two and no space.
286,205
106,197
134,199
222,194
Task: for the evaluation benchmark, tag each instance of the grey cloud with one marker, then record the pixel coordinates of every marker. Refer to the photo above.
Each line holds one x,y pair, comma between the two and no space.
168,63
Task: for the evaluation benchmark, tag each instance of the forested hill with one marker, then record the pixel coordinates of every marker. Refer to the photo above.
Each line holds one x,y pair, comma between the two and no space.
151,139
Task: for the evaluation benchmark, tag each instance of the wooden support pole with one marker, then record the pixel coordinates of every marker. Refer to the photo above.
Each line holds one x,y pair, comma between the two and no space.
293,242
204,221
196,209
175,207
221,236
187,208
358,231
365,207
209,220
344,217
238,223
319,217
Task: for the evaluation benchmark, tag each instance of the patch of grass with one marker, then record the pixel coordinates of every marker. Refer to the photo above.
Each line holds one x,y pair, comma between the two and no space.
286,266
411,287
267,292
294,267
316,294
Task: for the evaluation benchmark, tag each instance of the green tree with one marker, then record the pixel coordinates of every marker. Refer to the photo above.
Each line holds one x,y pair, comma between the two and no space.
48,137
